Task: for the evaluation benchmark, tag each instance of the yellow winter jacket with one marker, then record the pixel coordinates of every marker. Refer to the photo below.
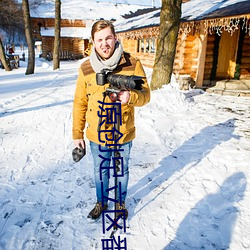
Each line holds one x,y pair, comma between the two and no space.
88,93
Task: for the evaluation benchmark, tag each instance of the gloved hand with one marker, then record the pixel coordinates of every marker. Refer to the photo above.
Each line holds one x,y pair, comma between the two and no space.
79,151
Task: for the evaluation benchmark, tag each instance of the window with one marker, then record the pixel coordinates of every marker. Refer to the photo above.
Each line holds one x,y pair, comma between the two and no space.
146,45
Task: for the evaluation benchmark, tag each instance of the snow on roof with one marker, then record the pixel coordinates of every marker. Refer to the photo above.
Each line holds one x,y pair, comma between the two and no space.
79,32
145,20
192,10
197,9
85,10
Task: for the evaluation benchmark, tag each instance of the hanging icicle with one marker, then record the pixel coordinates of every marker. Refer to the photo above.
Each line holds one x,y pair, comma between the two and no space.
186,28
217,25
246,25
140,33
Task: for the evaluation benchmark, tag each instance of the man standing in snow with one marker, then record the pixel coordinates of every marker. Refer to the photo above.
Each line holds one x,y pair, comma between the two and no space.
107,54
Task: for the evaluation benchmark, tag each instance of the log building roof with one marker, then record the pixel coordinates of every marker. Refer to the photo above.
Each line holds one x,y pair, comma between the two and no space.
193,10
85,10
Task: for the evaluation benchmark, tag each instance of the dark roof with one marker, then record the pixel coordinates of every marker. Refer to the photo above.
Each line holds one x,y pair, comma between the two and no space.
194,10
199,10
231,10
139,12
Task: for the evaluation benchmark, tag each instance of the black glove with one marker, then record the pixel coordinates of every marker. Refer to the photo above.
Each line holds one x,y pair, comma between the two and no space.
78,153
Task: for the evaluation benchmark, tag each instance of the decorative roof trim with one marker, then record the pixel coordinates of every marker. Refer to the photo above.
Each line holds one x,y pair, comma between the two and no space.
219,25
208,26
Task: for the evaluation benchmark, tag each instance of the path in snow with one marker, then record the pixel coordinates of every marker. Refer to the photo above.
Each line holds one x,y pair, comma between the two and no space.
189,170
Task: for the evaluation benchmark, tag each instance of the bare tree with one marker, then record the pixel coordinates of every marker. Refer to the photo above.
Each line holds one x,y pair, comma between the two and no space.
3,57
28,33
11,24
11,16
56,59
168,34
36,3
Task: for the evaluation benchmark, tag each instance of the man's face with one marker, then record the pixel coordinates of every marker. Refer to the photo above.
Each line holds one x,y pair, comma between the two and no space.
104,42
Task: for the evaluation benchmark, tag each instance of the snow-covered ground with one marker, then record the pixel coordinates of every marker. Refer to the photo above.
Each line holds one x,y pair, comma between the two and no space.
189,171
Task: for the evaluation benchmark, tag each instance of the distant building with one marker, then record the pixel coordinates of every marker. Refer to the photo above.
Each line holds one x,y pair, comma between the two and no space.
77,19
75,36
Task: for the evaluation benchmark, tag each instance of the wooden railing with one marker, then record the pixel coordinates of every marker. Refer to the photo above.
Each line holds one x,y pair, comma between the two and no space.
63,55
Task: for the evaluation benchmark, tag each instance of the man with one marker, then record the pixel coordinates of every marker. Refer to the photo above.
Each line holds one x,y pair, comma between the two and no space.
107,54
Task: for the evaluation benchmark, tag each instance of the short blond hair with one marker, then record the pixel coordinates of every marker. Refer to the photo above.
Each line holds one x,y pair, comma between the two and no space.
100,25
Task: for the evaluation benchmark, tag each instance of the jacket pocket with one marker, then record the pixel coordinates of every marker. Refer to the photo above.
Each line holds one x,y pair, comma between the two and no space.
127,119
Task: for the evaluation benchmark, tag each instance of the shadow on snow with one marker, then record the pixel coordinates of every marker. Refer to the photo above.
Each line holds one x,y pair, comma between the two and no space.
190,153
212,219
23,110
210,223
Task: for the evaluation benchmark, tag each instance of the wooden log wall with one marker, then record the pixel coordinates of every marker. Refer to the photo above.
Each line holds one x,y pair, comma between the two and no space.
50,22
47,45
185,59
79,46
186,55
131,46
73,45
245,60
190,56
66,44
209,57
146,59
178,61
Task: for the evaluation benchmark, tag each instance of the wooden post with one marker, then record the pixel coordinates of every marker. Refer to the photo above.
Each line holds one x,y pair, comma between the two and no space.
201,60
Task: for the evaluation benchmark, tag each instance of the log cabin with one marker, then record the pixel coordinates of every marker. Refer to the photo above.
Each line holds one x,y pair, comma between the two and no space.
213,41
77,19
74,37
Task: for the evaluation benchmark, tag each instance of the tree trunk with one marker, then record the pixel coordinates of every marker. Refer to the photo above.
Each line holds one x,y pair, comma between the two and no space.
3,57
28,33
168,34
56,59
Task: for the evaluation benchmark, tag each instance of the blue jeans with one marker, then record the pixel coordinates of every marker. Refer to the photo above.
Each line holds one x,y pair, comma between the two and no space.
104,162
